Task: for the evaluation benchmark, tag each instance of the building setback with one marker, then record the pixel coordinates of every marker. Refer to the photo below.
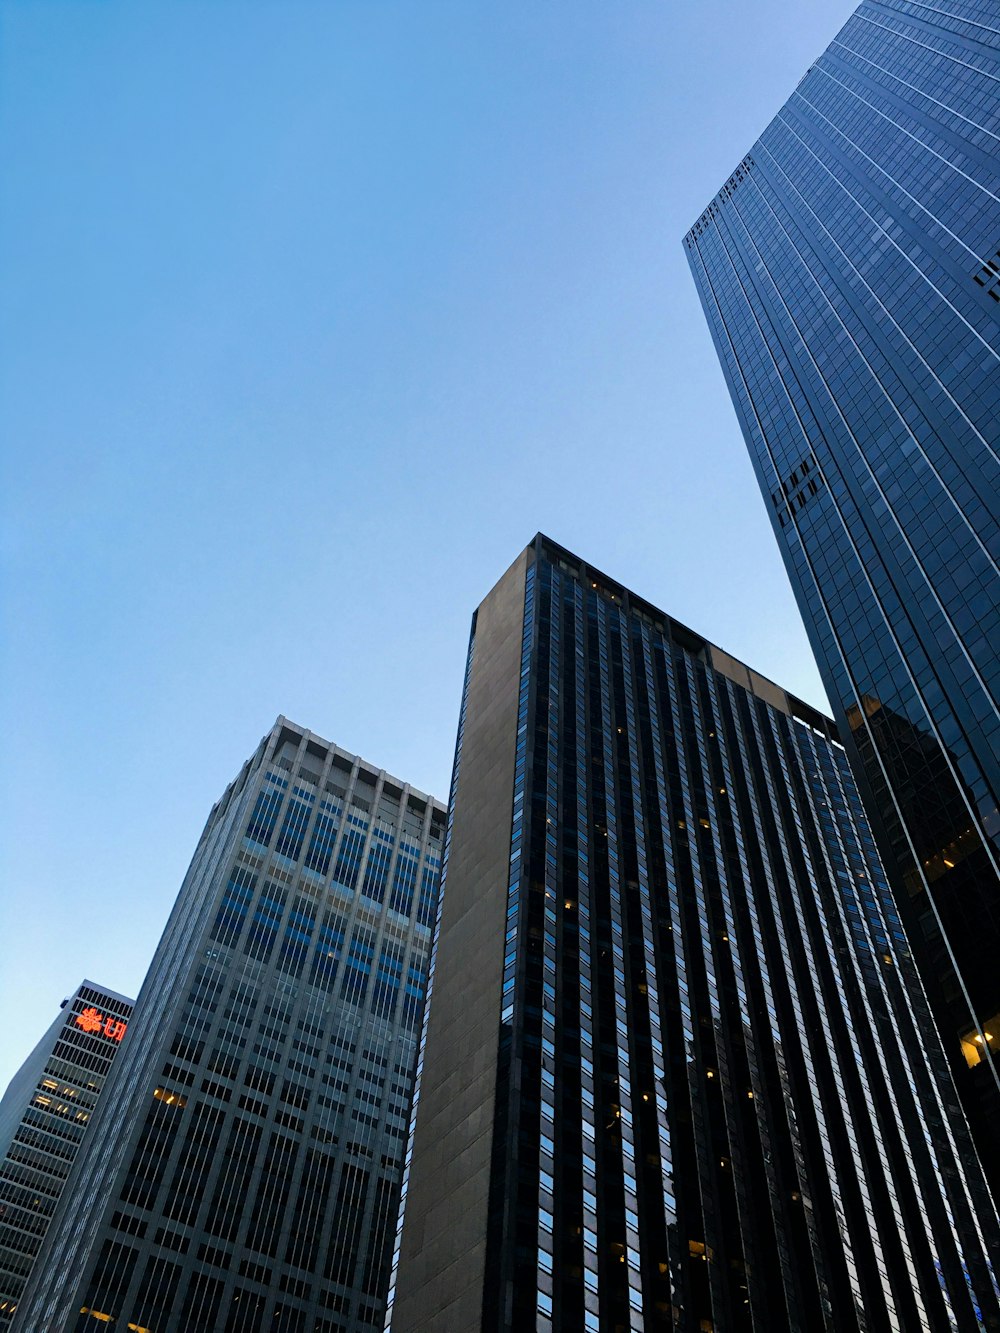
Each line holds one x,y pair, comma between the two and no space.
44,1116
243,1171
677,1071
850,273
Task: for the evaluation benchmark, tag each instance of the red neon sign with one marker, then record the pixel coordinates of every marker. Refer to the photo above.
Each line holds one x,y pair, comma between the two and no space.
92,1021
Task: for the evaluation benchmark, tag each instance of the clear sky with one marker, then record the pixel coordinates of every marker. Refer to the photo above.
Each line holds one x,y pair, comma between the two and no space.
313,314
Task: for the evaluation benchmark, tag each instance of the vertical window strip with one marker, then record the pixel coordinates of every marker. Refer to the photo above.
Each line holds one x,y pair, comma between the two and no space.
654,652
329,949
297,942
707,853
404,882
428,896
293,828
644,671
377,868
743,955
622,1064
350,854
690,942
641,929
588,1115
265,816
324,836
550,889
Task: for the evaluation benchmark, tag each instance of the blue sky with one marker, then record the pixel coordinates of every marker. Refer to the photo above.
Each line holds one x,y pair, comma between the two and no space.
314,314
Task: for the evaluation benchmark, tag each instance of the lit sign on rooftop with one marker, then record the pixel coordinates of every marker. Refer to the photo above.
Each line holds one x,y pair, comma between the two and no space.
93,1021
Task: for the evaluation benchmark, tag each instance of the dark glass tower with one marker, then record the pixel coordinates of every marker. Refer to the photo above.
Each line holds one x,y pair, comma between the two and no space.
677,1071
242,1173
850,272
44,1116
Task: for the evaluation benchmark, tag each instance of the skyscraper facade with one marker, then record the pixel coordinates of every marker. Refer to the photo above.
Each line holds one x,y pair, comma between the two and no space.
677,1071
849,269
244,1168
44,1116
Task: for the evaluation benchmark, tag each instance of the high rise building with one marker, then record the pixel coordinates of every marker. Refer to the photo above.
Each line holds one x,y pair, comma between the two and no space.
677,1071
243,1170
44,1116
850,272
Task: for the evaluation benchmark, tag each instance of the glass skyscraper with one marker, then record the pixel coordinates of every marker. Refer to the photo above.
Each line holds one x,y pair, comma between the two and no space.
242,1173
44,1116
849,269
677,1071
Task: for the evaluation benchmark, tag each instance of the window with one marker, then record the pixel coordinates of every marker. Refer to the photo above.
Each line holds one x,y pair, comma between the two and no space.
975,1044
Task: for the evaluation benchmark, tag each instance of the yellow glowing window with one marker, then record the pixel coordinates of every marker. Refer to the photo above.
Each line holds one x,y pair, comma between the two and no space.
971,1050
98,1314
171,1098
975,1043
